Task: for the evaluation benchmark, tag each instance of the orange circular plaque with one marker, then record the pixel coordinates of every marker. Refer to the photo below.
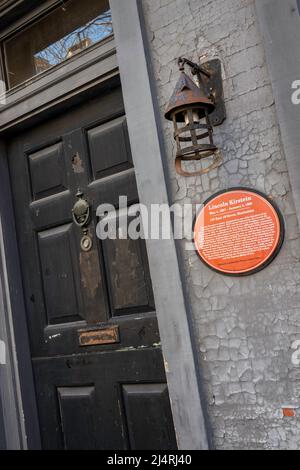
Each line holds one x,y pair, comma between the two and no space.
238,232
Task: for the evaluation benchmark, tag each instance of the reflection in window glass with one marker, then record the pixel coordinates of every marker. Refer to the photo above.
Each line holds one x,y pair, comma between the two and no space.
66,31
80,39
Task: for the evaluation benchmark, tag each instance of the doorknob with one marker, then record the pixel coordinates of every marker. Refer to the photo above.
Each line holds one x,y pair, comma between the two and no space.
82,216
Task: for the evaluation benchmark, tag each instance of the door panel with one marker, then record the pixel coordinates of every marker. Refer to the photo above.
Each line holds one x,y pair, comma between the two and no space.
112,139
104,382
151,402
128,280
47,172
76,409
88,392
60,275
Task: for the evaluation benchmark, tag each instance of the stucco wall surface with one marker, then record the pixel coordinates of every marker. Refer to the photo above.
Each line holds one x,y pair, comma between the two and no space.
245,327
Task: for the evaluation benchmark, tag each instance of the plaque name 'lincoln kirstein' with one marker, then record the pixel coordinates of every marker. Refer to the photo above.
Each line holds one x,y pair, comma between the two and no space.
238,232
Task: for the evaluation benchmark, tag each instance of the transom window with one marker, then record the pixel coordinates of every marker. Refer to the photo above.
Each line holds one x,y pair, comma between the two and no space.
71,27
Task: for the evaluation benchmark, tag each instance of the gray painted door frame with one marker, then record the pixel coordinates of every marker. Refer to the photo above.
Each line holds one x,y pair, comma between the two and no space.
16,379
173,310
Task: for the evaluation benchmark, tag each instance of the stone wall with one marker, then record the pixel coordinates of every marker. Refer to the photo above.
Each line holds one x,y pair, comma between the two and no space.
245,327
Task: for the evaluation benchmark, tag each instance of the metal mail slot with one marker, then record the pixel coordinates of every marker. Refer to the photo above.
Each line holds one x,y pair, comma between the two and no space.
99,336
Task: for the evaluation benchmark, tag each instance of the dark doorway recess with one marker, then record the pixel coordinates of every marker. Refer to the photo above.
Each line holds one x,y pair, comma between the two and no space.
101,396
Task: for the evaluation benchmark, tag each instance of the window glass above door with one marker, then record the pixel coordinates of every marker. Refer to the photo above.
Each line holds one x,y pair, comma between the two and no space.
68,29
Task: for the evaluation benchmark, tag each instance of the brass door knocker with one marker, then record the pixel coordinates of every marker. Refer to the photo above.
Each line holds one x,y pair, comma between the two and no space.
82,216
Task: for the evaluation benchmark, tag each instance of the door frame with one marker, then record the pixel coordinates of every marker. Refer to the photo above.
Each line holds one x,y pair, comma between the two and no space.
145,133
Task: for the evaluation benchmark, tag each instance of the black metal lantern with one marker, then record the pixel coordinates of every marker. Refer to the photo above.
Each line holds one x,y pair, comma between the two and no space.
190,108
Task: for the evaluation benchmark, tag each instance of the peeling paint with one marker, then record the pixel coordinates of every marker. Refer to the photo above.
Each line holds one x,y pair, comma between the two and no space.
136,348
288,412
90,273
244,326
77,164
58,335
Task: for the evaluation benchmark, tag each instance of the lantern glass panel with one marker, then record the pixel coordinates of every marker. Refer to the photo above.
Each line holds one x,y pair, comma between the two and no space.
196,117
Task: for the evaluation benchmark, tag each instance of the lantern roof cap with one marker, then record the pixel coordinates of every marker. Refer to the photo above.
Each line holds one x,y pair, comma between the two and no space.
188,95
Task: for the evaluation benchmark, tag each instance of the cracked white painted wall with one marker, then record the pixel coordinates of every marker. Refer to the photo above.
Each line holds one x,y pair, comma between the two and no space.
245,326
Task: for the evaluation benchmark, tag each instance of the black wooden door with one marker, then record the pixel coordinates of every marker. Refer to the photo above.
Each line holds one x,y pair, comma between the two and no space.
111,395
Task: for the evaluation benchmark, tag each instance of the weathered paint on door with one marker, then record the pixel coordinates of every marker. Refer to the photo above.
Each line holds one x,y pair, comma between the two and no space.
104,396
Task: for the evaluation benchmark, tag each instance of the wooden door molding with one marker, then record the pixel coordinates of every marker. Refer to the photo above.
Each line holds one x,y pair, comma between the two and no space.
147,151
66,82
16,379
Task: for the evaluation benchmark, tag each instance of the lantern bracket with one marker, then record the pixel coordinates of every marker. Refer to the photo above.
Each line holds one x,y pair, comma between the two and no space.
209,74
